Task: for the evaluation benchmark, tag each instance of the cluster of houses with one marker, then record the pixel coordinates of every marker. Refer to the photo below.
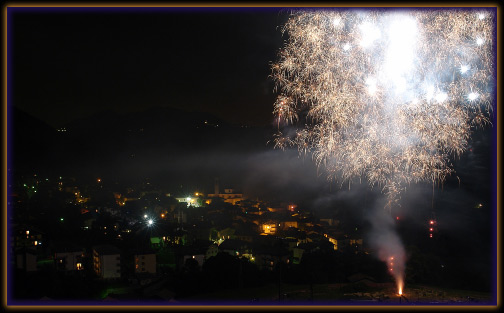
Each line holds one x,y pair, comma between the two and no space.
266,234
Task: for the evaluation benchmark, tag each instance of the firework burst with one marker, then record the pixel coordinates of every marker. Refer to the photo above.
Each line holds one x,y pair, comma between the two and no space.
390,96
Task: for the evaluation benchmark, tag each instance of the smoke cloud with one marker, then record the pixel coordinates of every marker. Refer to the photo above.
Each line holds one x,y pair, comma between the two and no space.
384,239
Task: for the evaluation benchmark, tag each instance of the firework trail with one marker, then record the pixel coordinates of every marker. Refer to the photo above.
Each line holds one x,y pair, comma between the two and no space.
386,95
386,241
389,96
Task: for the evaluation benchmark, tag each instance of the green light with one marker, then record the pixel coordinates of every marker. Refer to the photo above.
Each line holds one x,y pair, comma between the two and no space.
61,219
24,185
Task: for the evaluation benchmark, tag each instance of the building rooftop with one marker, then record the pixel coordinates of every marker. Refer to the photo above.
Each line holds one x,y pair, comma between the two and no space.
107,249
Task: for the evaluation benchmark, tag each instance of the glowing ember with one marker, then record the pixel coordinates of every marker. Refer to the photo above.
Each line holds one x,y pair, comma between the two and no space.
400,286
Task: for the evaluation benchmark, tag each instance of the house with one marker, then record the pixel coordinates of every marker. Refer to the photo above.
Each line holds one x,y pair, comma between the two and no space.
27,236
291,243
277,209
226,233
269,227
169,237
69,259
235,247
107,261
198,256
299,235
199,250
312,236
26,259
269,257
343,241
145,262
212,250
289,223
297,252
229,195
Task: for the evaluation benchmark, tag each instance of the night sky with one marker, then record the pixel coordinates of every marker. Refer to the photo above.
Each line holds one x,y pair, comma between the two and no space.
69,63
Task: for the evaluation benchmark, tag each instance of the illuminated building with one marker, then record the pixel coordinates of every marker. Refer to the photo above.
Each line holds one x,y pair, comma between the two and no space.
69,259
235,247
107,261
145,262
27,236
228,196
289,223
269,228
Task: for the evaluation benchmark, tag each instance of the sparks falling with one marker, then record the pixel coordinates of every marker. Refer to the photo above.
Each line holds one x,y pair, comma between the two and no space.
384,95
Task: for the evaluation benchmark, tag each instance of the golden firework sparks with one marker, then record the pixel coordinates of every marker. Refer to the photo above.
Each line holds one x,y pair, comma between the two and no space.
386,95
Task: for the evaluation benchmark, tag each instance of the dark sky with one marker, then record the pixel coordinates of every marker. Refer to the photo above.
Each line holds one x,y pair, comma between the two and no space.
73,62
